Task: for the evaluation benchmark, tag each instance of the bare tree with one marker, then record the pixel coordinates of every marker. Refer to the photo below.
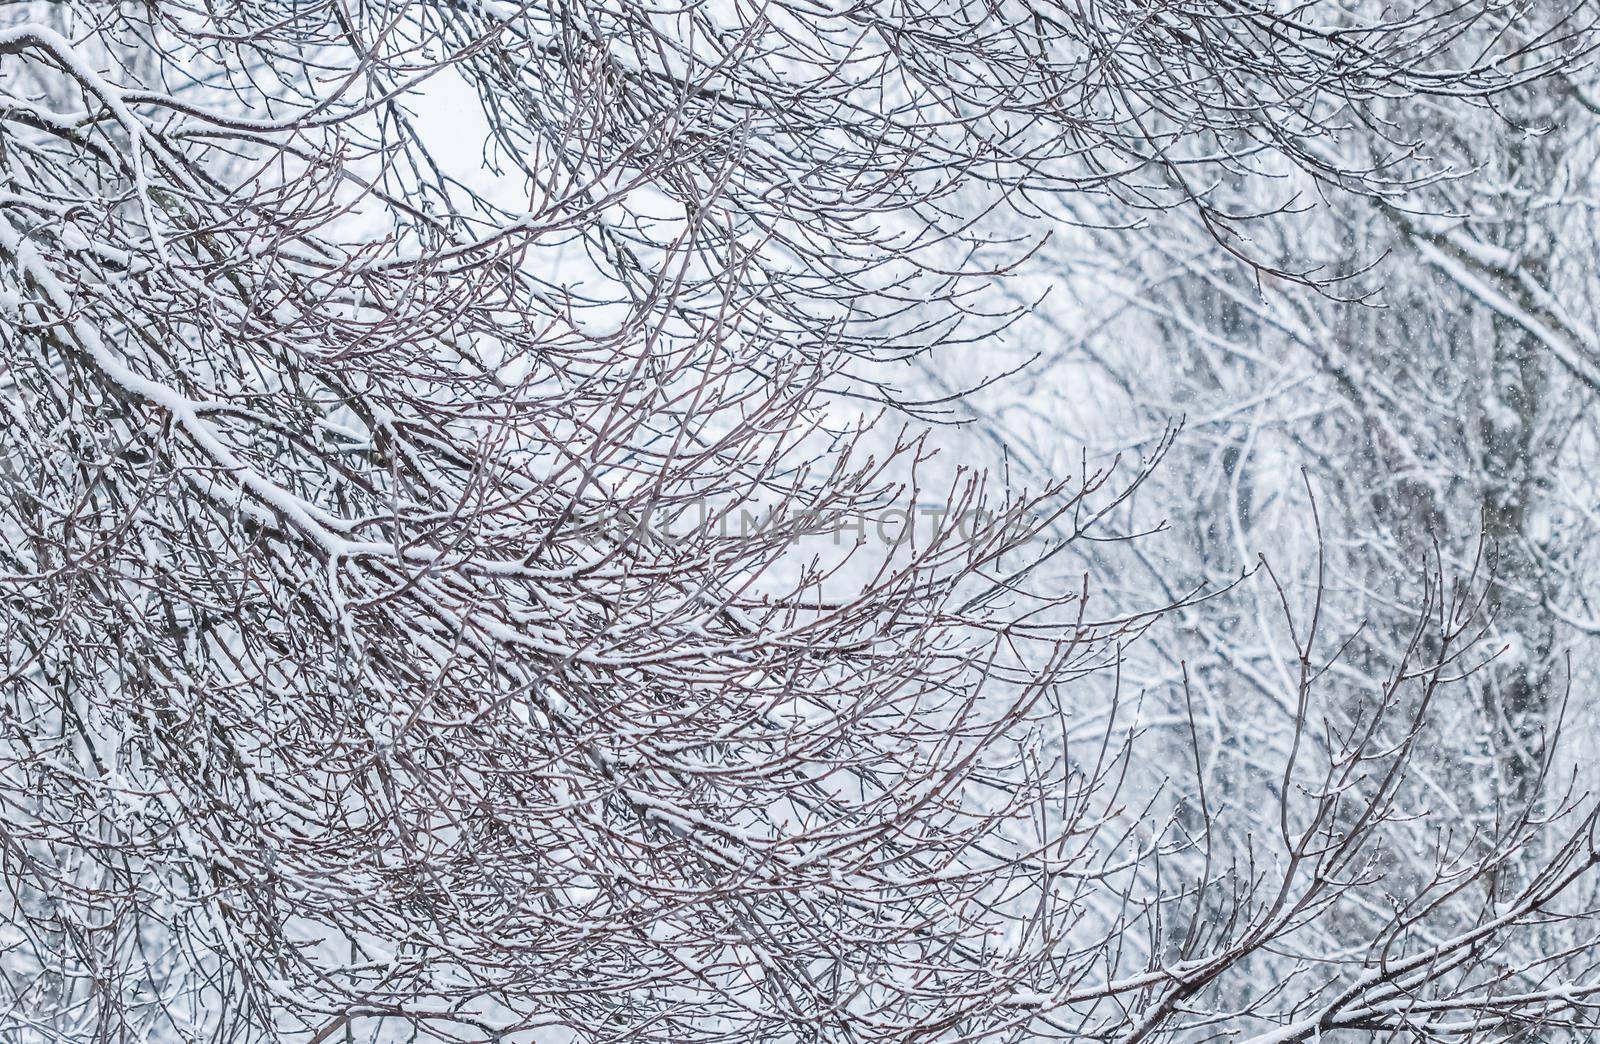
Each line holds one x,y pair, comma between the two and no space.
1437,394
427,613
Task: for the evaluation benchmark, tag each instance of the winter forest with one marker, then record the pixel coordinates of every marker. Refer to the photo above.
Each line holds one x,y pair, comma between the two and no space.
783,521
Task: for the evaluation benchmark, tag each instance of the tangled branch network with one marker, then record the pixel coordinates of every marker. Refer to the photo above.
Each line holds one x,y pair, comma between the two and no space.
324,710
